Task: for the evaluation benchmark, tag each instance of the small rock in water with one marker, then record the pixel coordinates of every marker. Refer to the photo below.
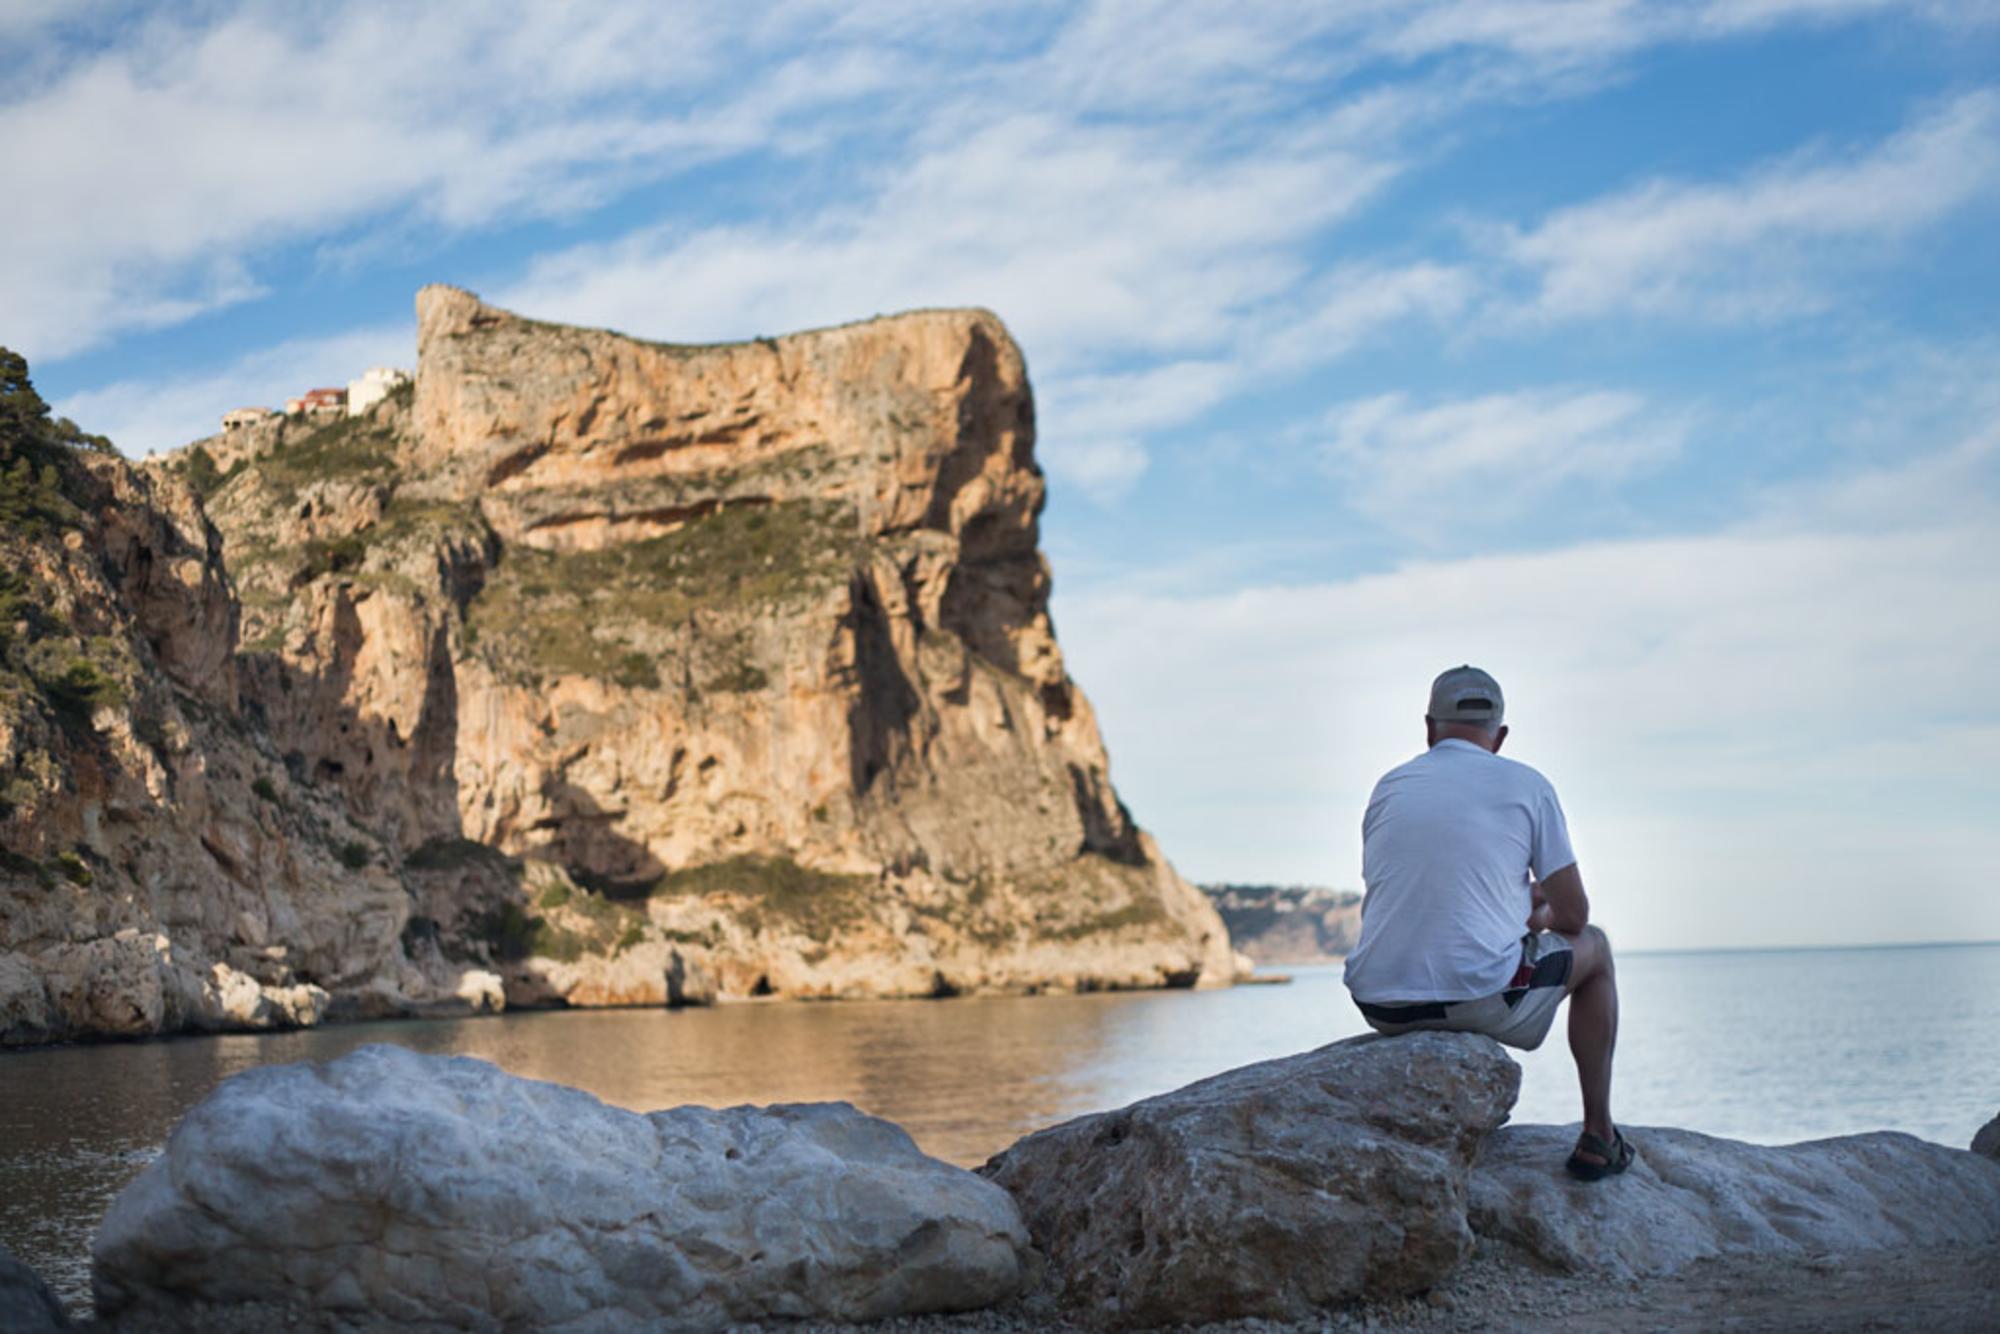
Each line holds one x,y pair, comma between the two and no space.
439,1190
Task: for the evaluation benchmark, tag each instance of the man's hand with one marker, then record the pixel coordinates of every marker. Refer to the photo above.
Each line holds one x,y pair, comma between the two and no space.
1560,903
1540,916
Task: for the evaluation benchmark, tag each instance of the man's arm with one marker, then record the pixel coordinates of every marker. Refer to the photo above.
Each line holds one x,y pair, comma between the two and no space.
1560,903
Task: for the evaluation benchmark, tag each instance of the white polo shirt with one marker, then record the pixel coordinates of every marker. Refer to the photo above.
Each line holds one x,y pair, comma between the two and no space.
1447,848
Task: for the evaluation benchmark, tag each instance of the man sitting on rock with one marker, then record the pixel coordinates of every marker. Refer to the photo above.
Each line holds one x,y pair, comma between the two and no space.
1461,852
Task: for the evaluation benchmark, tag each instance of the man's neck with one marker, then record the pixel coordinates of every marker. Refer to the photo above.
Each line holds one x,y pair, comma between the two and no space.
1471,736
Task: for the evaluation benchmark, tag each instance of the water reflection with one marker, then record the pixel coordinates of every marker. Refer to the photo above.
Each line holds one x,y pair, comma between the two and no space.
1703,1046
965,1077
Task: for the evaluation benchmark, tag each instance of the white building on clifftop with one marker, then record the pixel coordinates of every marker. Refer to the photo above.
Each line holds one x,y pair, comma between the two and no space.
376,383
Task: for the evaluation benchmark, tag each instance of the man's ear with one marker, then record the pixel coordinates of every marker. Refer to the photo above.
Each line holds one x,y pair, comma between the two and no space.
1499,739
1430,731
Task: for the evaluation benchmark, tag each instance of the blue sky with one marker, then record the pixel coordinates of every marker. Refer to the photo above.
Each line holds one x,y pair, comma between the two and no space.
1644,353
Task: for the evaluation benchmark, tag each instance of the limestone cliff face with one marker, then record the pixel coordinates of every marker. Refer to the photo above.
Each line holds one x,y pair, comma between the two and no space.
158,868
668,672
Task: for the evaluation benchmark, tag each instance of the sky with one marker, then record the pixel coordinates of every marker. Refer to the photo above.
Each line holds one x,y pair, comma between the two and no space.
1643,352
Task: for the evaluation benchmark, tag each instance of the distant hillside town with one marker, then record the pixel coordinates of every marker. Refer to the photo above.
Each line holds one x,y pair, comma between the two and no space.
375,384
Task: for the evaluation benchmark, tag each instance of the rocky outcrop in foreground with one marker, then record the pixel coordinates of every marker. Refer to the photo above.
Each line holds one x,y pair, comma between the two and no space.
422,1190
392,1187
1275,1190
1373,1167
1694,1197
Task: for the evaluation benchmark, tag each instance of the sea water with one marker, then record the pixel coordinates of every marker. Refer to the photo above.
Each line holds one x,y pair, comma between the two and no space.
1770,1047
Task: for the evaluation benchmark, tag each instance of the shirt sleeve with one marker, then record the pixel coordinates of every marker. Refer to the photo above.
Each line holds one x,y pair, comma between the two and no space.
1550,850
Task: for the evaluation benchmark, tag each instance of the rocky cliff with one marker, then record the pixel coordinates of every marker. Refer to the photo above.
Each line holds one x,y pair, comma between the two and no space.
639,673
156,869
1288,924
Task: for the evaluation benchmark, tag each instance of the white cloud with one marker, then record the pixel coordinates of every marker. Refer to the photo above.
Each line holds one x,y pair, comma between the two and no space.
1469,465
1101,245
1759,247
1354,302
1091,239
144,166
1557,34
1101,418
145,416
1760,734
1132,184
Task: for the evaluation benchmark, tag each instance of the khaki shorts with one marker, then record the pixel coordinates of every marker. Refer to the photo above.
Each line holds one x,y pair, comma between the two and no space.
1519,1016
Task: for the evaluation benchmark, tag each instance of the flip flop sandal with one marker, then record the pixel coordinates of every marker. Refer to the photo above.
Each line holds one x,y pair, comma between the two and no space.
1617,1156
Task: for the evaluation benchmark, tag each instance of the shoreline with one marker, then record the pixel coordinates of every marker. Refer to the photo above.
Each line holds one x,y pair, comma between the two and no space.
1133,1033
456,1015
1831,1274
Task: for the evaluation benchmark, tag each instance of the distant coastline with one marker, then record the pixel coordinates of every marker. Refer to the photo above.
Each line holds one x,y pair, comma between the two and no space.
1304,925
1815,949
1288,925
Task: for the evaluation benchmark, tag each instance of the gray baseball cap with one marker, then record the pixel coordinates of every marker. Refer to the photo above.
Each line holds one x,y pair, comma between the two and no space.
1467,695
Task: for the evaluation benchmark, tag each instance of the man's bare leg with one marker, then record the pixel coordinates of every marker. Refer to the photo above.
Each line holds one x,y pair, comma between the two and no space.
1593,1028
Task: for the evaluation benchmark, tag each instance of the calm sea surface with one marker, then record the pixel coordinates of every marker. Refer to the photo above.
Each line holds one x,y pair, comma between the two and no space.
1771,1047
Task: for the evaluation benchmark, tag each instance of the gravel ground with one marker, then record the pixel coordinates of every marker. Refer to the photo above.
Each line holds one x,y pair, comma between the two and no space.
1938,1291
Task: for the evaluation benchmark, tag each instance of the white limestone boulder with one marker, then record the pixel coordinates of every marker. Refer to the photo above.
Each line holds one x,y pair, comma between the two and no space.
1690,1197
1274,1190
390,1187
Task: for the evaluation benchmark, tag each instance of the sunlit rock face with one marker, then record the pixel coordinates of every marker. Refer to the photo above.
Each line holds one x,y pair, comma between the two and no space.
390,1187
679,673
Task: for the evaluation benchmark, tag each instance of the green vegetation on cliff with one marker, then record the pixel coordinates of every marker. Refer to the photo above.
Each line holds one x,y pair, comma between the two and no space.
345,448
40,478
617,612
44,487
556,918
775,892
202,474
